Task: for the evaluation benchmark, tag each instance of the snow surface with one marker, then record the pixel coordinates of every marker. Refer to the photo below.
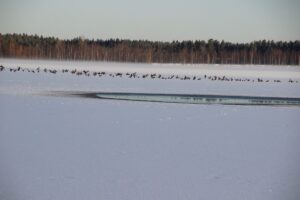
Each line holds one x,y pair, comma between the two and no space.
75,148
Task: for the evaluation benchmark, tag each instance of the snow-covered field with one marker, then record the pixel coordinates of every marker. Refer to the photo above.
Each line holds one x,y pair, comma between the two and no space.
54,147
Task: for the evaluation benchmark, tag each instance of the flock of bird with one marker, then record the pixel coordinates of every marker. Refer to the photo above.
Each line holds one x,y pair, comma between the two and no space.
136,75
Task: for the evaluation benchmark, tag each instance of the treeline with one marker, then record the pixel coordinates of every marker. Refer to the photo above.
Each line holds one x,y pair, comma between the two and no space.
211,51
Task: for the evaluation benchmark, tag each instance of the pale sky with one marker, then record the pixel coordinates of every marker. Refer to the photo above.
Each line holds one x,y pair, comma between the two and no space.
163,20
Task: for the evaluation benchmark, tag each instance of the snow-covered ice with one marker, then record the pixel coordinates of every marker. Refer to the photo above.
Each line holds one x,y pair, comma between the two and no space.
60,148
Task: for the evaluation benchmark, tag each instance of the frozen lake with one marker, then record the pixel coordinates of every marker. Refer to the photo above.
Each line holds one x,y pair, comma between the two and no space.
56,147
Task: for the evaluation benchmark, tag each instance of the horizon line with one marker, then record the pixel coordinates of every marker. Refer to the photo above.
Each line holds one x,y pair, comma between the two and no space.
146,40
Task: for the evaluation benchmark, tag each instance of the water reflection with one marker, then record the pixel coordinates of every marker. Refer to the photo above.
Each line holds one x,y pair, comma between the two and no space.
194,99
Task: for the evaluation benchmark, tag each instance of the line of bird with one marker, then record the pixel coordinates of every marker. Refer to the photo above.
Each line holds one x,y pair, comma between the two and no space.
136,75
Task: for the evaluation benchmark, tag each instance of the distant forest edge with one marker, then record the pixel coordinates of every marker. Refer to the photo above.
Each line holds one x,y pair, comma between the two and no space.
199,51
